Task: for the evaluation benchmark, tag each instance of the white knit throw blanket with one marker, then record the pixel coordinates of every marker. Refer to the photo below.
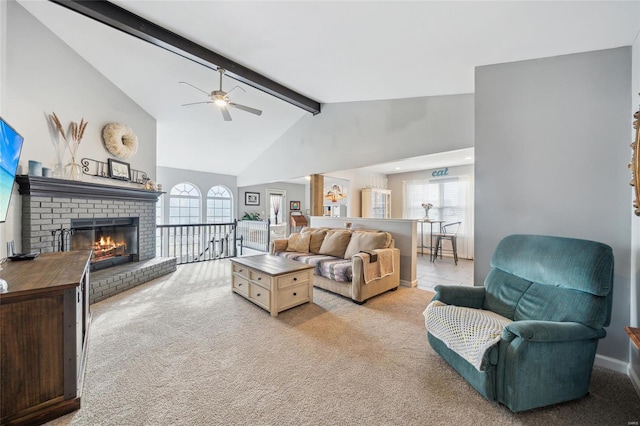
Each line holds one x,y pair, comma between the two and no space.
468,332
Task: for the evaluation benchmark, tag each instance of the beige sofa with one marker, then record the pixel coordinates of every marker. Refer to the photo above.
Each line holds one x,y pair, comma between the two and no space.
341,266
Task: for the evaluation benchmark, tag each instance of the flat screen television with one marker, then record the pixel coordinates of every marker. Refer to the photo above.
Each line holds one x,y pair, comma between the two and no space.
10,148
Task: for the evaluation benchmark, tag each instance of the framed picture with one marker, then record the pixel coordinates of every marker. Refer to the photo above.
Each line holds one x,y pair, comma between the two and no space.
119,170
251,198
294,205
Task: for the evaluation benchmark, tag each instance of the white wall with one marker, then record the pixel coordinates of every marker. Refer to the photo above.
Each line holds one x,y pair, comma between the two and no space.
551,148
43,75
357,134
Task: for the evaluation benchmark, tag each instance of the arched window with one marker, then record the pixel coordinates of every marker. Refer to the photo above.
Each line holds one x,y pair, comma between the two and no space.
184,204
219,205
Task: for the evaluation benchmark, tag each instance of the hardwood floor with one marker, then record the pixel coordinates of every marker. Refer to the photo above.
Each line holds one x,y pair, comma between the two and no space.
443,271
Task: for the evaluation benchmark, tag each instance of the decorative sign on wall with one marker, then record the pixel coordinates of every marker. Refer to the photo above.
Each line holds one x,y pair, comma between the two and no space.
441,172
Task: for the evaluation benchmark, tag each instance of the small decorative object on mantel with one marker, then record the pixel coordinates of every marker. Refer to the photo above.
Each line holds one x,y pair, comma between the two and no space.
119,170
102,169
150,185
73,170
426,207
120,140
347,225
634,166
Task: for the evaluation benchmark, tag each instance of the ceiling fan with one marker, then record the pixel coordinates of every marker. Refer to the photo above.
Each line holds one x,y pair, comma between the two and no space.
221,98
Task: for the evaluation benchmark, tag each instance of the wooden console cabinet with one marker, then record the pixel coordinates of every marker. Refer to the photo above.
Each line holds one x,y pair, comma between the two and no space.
44,319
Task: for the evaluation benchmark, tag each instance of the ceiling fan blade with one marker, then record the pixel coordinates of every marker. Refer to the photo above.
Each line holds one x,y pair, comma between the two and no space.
195,103
197,88
246,108
225,114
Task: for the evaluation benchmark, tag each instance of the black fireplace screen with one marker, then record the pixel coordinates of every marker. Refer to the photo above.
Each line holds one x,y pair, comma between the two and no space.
113,241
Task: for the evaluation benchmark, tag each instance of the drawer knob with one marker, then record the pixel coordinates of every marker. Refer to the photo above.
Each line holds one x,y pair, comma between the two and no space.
295,278
258,295
240,285
295,294
259,278
239,270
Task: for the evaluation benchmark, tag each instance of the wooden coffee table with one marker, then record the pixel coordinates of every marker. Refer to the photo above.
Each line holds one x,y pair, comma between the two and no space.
272,282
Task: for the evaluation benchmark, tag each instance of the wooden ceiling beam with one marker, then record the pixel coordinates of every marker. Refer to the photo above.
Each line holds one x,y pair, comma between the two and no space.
132,24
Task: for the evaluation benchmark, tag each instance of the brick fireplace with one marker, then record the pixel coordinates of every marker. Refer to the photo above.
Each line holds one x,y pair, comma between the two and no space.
49,206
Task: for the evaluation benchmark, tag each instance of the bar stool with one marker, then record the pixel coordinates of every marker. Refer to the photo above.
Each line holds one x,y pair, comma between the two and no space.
449,232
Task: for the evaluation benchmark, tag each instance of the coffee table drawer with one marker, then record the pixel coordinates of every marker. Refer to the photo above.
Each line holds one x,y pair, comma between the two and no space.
259,295
241,285
260,278
293,279
242,270
293,295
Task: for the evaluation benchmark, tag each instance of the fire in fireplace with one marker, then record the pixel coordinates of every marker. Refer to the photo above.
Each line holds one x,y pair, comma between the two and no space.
106,247
113,241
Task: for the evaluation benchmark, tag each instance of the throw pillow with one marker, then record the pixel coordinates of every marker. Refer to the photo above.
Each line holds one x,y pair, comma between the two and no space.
317,237
299,242
335,243
362,241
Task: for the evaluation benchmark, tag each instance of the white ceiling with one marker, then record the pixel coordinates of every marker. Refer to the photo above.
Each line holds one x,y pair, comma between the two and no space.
334,51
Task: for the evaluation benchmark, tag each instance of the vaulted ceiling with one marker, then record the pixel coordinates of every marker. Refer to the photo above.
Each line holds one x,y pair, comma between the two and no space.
339,51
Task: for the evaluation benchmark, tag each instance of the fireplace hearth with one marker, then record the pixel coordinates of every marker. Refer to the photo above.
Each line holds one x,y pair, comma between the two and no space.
114,241
49,206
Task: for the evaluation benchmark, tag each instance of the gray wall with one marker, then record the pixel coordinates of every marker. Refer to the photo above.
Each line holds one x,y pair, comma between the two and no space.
169,177
551,147
43,75
357,134
635,224
295,192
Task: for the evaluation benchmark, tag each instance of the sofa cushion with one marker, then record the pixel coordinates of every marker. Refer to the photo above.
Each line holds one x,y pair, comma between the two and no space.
335,243
363,241
340,270
317,237
308,258
299,242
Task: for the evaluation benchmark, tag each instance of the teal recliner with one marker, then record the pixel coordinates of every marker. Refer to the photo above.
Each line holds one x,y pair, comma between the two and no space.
558,292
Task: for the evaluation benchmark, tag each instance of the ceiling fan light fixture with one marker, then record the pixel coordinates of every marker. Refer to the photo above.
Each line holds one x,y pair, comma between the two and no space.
219,97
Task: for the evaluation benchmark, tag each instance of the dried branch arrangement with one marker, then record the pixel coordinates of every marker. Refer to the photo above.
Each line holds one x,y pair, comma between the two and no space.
77,132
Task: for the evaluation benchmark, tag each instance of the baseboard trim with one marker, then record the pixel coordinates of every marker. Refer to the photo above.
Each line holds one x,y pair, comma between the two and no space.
635,380
612,364
410,284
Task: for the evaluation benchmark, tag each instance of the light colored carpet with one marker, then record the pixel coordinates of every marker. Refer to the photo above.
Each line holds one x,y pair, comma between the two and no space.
184,350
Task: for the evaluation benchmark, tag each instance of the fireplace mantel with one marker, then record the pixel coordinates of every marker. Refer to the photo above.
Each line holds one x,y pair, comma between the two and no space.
53,187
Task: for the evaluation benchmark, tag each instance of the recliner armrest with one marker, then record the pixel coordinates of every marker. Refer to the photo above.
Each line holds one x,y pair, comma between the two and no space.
550,331
469,297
